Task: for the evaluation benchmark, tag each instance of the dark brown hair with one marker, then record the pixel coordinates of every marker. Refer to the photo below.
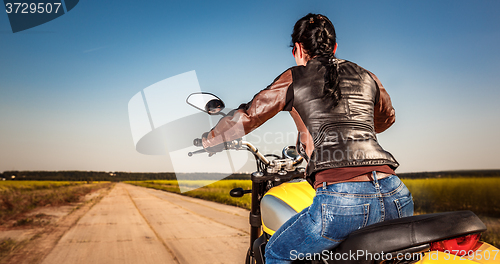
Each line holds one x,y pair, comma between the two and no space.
317,35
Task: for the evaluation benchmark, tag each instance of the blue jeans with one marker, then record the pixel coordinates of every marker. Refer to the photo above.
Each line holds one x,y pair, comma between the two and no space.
336,211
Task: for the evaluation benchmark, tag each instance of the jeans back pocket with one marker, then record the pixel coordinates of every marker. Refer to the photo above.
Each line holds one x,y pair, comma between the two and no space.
404,206
339,221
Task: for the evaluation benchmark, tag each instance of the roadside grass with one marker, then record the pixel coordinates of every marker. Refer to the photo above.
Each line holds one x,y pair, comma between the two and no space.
35,220
7,246
480,195
18,197
35,185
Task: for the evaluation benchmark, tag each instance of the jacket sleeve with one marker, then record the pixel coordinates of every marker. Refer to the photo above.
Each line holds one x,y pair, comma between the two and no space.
384,113
264,105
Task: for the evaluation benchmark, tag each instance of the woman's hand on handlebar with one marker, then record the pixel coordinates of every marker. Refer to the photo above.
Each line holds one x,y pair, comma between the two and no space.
234,144
211,150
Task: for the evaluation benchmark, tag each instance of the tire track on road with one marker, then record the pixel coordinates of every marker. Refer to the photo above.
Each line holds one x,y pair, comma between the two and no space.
197,234
113,231
193,212
154,231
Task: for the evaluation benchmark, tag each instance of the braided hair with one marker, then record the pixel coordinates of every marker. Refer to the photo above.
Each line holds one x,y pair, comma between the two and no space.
316,33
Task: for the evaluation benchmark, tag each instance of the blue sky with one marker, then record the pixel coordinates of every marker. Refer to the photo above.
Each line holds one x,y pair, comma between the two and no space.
65,85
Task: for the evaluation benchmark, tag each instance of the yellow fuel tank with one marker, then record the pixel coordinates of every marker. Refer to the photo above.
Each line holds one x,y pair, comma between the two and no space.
284,201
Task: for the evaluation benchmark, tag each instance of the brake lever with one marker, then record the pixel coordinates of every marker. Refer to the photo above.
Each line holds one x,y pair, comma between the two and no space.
196,152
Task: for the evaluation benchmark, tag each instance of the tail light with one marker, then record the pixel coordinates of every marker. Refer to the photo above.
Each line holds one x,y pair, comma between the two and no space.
458,246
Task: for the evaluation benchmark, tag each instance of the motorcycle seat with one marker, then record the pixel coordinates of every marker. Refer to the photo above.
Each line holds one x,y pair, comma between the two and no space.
398,234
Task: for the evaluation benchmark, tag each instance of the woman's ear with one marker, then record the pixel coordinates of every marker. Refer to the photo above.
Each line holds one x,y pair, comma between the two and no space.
298,50
300,55
335,48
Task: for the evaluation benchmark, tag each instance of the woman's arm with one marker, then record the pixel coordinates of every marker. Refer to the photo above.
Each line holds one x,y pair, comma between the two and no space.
384,113
264,105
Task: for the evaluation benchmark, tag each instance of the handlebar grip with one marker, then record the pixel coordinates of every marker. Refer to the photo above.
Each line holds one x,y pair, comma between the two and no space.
198,142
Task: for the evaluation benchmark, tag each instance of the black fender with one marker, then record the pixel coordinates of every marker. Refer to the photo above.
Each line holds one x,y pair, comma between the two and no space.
259,249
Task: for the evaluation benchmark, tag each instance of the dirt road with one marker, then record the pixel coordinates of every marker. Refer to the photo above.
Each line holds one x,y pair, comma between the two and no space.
139,225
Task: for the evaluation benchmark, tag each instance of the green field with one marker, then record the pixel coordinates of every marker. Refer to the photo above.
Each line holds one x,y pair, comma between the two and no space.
18,197
34,185
480,195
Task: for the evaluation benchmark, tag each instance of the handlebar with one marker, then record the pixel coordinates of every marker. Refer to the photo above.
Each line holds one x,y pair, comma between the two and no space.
274,166
255,151
235,144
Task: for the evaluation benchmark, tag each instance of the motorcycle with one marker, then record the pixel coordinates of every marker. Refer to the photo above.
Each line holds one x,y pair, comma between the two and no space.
280,191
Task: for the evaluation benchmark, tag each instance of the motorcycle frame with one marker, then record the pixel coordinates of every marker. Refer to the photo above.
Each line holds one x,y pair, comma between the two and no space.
261,183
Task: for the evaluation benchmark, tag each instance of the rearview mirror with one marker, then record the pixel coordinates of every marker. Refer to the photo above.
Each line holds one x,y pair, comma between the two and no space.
206,102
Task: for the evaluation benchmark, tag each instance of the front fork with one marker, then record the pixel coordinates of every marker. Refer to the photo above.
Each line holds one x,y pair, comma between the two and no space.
255,250
255,217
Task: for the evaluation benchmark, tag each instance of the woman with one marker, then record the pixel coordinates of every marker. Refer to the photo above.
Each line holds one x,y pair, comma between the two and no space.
338,107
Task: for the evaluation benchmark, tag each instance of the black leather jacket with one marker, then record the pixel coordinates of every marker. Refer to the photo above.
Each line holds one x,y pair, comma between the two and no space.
330,137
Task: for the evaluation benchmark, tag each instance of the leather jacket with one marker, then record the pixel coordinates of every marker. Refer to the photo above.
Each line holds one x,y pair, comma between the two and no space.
329,137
